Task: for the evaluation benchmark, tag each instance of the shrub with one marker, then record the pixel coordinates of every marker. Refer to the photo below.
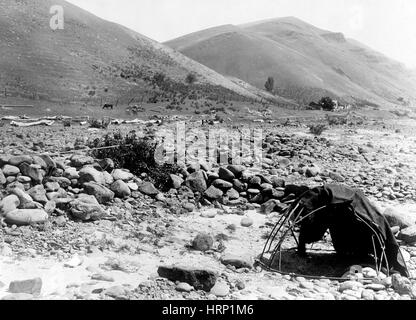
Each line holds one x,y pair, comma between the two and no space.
99,124
159,79
191,78
318,129
136,154
327,104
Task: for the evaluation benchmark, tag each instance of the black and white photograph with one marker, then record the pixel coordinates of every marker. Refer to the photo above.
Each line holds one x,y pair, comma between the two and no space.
225,152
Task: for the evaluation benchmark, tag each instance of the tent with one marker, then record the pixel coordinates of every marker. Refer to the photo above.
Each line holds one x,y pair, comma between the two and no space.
357,227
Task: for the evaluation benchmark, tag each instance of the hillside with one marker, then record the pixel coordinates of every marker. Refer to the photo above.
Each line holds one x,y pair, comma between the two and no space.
92,59
306,62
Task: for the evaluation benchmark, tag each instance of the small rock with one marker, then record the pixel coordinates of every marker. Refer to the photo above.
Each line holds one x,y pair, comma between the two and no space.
350,285
247,222
220,290
31,286
184,287
23,217
237,261
75,261
203,242
199,279
102,277
408,235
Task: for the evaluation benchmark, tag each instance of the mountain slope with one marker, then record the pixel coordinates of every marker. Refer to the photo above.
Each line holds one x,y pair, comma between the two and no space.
90,59
306,62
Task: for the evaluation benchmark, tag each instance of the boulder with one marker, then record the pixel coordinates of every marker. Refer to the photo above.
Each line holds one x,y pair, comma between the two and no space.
148,189
213,193
24,217
121,189
79,161
197,182
226,174
40,162
198,278
336,177
18,160
2,178
71,173
107,164
86,211
176,181
232,194
48,160
312,172
408,235
4,159
254,182
25,199
269,206
401,218
101,193
52,186
8,204
124,175
222,184
9,170
90,174
33,171
108,178
237,170
62,181
38,194
401,284
277,182
239,186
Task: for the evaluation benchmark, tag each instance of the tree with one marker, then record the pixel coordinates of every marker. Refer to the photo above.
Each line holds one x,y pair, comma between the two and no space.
327,104
190,78
269,85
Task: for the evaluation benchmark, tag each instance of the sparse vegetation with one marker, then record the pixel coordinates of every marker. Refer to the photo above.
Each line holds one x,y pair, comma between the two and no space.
191,78
135,154
318,129
99,123
327,104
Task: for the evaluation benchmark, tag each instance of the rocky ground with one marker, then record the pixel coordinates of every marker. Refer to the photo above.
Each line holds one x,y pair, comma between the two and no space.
91,232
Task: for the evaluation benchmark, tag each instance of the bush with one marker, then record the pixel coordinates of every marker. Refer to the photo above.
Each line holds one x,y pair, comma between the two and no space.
159,79
318,129
191,78
136,154
99,124
327,104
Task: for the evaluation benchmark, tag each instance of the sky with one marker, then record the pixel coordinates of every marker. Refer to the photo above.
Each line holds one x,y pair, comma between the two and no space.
389,26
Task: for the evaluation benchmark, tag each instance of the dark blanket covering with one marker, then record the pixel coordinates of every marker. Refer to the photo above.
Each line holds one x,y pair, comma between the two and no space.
356,226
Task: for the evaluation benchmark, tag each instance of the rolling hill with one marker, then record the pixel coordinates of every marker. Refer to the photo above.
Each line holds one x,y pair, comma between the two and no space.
305,61
91,59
